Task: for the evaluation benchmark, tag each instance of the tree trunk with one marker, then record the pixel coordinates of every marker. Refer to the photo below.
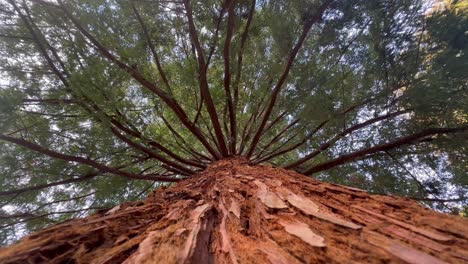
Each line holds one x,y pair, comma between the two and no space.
236,213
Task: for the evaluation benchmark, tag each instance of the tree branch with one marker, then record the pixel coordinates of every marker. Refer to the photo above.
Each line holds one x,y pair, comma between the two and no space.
276,138
227,77
337,137
140,147
202,75
408,140
274,152
292,56
215,38
168,99
37,37
150,45
85,161
240,55
72,180
309,135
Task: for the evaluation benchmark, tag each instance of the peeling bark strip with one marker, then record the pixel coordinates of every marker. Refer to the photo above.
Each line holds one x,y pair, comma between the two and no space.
310,208
236,213
304,232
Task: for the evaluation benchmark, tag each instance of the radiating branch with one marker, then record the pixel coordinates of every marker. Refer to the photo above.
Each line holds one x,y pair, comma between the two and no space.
227,77
150,45
402,141
81,160
240,55
167,98
152,154
292,56
202,76
277,138
85,177
216,33
305,139
340,135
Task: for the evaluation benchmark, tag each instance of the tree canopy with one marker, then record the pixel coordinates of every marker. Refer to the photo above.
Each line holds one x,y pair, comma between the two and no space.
102,101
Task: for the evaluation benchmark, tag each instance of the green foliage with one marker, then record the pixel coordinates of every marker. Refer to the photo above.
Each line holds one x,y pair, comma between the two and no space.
365,58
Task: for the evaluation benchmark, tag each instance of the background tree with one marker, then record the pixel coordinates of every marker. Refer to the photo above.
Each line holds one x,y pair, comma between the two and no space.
103,101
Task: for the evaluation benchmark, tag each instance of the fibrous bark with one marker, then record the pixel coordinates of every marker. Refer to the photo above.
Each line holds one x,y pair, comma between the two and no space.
236,213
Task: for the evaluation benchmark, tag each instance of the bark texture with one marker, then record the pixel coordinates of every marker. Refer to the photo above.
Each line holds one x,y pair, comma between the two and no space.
236,213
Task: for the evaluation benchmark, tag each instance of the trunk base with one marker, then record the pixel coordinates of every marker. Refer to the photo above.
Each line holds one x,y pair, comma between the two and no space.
235,213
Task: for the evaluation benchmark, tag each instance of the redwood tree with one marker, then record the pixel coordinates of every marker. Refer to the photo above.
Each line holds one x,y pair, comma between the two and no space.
103,101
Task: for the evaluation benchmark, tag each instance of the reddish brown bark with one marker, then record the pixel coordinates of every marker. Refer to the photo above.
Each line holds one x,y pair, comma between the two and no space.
236,213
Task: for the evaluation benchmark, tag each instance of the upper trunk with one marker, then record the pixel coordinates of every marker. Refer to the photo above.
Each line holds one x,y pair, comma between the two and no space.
236,213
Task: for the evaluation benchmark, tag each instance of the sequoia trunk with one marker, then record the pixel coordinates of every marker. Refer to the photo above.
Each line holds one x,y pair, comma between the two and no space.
236,213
